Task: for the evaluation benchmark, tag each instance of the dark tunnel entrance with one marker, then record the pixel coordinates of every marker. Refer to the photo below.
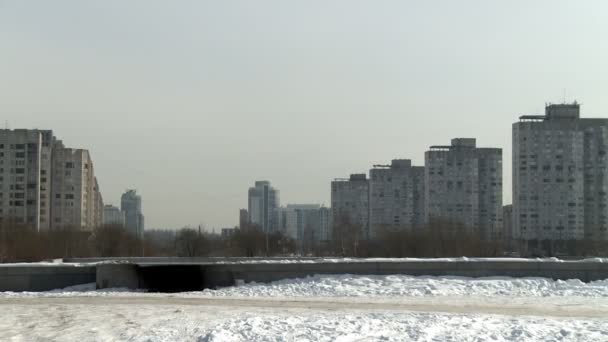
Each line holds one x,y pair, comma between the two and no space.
172,278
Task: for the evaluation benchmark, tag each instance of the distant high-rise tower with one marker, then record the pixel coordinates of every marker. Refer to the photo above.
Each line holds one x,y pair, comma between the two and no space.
263,200
463,185
243,218
560,176
130,204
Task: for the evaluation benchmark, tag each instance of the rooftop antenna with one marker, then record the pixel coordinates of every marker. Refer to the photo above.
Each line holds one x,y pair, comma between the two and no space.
564,96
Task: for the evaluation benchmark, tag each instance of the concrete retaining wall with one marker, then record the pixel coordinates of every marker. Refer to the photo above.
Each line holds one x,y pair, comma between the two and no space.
44,278
192,275
226,275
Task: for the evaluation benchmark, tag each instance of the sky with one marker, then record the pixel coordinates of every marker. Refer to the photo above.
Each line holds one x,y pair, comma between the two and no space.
190,102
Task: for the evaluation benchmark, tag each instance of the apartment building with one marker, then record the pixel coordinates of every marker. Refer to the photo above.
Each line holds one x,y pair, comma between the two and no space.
463,185
350,202
560,176
396,196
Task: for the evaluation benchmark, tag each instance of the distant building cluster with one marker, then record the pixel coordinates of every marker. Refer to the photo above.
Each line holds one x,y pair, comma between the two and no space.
560,189
129,215
459,183
45,185
305,223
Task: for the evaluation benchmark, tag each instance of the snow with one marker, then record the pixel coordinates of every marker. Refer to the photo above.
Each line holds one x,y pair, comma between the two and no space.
410,286
95,321
319,308
404,327
396,260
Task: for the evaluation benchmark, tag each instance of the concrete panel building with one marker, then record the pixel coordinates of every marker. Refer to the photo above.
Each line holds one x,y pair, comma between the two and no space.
350,202
463,185
25,177
396,199
263,200
560,176
112,215
76,201
130,204
44,185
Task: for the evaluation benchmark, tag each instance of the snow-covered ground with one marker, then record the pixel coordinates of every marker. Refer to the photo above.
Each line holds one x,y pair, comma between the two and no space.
403,285
319,308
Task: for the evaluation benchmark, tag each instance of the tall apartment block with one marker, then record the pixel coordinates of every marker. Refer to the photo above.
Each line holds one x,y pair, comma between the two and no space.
396,196
25,177
76,201
130,204
560,176
350,202
463,184
30,183
263,201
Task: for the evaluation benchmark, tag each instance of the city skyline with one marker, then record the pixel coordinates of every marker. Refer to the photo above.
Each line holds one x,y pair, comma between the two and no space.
175,106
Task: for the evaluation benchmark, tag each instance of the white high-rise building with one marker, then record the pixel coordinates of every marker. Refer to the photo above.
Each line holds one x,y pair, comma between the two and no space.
560,176
396,196
463,185
263,199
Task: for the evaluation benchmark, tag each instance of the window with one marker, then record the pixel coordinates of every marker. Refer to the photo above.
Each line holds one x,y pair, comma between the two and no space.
69,196
69,165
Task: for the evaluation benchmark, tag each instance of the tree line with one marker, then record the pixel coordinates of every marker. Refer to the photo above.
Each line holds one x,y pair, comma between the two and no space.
440,239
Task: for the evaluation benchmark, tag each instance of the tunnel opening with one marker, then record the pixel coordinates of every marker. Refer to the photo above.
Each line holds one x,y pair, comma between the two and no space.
172,278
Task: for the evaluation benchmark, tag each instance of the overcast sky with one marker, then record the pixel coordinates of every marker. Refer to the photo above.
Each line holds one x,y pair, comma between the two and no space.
190,102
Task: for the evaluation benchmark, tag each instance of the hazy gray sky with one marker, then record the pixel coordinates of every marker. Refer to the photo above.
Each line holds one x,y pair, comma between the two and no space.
190,102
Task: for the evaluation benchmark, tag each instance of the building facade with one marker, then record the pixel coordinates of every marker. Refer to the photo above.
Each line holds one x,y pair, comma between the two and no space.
25,177
560,176
350,203
112,215
507,223
263,200
76,199
396,196
463,185
35,180
130,204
